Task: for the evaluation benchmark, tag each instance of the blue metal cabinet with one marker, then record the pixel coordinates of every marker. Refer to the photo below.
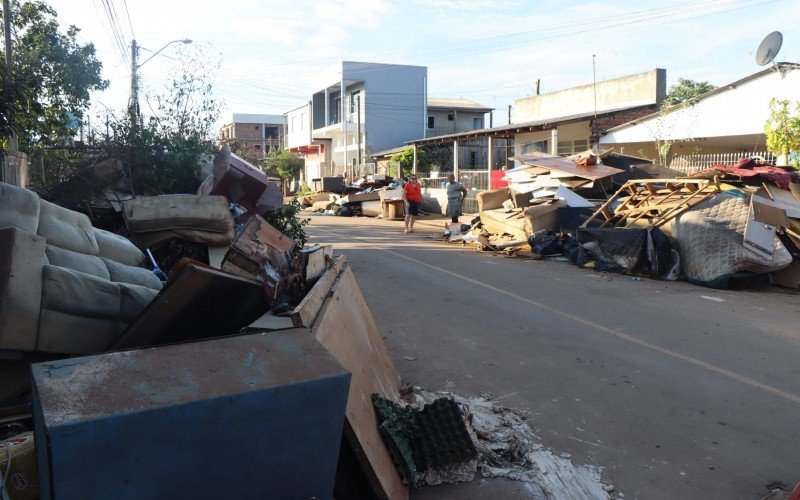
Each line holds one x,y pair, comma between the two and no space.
250,416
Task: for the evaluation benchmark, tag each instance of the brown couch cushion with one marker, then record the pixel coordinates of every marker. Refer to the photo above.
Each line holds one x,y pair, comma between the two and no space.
19,208
178,211
66,229
89,264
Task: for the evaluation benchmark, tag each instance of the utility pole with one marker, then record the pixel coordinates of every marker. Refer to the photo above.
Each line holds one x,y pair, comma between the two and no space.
509,114
12,139
133,103
343,106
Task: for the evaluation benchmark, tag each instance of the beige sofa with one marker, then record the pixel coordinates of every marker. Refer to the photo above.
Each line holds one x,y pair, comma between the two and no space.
523,219
65,286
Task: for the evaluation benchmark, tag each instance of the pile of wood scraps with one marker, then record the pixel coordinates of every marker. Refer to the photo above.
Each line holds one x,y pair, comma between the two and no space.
656,201
541,174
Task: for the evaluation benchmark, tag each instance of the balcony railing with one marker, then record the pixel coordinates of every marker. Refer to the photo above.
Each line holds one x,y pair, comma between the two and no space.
695,162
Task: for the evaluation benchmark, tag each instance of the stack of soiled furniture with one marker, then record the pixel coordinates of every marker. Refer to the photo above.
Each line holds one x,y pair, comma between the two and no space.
65,286
519,218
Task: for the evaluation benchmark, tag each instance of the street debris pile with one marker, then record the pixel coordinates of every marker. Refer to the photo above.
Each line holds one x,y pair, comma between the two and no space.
719,226
127,358
120,351
442,437
374,195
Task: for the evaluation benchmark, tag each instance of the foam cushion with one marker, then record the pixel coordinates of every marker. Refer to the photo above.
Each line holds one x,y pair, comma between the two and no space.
89,264
120,273
66,229
19,208
78,293
118,248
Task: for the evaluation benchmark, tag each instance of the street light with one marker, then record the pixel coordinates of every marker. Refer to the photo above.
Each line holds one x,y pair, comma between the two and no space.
185,41
133,104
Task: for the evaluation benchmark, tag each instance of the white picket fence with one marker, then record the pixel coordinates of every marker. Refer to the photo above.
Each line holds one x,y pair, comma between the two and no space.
696,162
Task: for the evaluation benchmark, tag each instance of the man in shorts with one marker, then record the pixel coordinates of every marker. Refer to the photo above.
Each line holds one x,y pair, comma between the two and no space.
412,194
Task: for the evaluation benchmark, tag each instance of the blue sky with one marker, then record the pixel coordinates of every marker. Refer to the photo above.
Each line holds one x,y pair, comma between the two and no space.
272,53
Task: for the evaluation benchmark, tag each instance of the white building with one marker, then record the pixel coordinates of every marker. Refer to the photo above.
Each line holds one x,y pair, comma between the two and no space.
727,120
358,109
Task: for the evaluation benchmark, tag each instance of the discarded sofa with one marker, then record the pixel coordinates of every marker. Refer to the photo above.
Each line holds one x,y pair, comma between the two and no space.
65,286
522,219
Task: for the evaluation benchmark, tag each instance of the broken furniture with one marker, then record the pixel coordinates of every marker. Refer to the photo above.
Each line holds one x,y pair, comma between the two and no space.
654,201
522,219
242,183
341,321
394,209
328,184
67,287
256,242
198,302
248,416
152,220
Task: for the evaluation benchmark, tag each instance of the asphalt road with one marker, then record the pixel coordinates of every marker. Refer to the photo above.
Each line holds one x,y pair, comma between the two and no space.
677,391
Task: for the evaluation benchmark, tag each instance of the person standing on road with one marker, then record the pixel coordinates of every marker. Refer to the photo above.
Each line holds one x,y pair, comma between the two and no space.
456,192
412,194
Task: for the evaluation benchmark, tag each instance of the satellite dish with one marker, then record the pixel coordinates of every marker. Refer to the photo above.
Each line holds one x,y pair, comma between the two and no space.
768,48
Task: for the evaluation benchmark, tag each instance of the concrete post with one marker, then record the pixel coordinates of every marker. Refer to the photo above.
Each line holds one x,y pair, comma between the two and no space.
414,169
455,158
554,142
489,160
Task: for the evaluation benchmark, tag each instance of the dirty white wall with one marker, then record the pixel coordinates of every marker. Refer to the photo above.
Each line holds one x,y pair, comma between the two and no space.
630,91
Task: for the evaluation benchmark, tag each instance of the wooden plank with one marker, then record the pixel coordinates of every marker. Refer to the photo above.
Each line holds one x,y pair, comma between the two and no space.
346,328
315,261
308,308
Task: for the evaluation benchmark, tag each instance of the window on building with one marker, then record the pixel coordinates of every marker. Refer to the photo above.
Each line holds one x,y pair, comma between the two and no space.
258,127
354,101
430,122
473,158
257,146
337,109
566,148
477,123
451,117
302,121
293,124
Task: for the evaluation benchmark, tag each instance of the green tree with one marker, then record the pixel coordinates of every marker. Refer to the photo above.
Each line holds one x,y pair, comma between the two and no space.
51,79
405,159
783,129
284,163
686,90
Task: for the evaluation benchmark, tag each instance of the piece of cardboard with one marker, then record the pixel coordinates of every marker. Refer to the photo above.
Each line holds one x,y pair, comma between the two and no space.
346,328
